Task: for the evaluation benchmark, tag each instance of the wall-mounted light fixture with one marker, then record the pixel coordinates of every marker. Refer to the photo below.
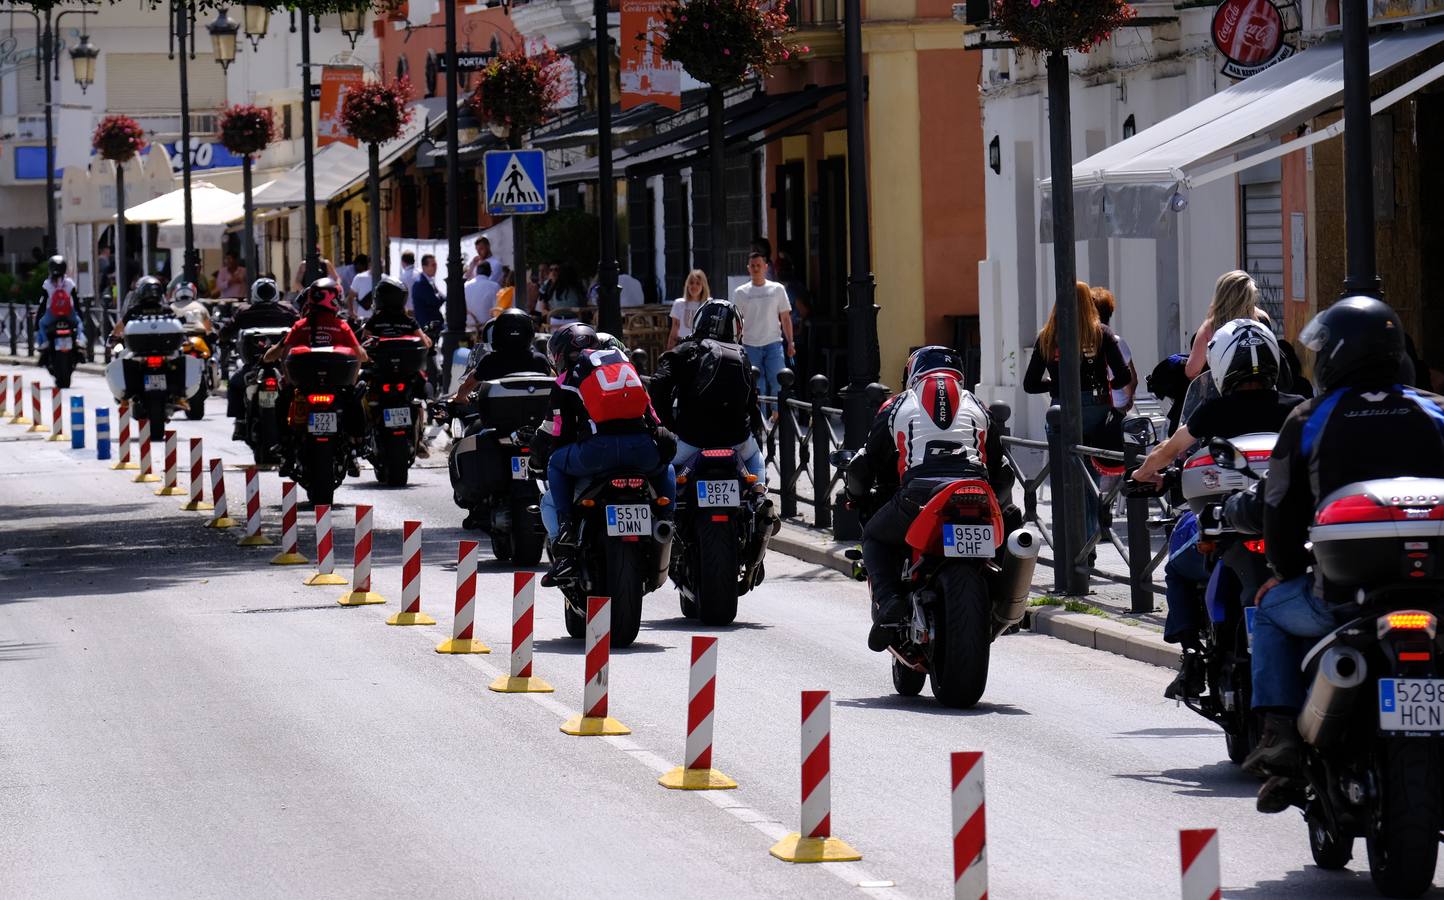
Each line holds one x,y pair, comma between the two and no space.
1130,128
995,155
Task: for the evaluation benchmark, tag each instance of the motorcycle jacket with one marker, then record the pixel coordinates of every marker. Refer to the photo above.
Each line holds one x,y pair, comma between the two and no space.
705,393
499,364
322,329
259,315
387,324
601,394
1346,435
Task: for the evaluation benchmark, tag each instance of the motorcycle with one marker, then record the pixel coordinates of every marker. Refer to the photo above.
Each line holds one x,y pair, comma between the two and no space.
63,355
723,526
151,373
262,392
489,465
198,346
317,449
395,385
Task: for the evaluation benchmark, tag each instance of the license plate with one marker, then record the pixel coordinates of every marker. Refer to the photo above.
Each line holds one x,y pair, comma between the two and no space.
396,418
323,423
629,521
968,540
1411,704
268,399
719,493
64,344
519,469
1249,612
155,382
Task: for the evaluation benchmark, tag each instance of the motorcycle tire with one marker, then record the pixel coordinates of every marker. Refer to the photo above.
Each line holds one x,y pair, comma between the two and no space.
501,546
576,622
62,368
264,437
196,410
958,658
395,463
1331,851
528,540
320,482
155,411
716,588
624,586
689,605
907,681
1403,839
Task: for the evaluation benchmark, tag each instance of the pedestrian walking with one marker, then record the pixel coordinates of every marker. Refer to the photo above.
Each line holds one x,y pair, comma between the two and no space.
766,323
695,292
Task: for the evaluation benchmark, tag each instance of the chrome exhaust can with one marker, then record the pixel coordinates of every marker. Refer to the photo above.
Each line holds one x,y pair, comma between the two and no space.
1015,581
1336,684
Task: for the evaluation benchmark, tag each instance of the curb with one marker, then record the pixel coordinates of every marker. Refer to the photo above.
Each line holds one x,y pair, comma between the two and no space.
31,362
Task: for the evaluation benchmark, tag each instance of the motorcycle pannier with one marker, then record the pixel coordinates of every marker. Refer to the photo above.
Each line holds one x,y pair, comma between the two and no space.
1203,482
1385,531
480,467
158,336
314,368
398,356
254,342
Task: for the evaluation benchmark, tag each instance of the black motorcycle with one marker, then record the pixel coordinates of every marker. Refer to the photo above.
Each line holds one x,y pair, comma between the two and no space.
264,417
395,388
317,448
64,353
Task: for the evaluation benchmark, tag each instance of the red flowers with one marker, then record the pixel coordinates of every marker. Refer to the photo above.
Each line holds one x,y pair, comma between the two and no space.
517,91
118,138
1046,26
246,129
375,112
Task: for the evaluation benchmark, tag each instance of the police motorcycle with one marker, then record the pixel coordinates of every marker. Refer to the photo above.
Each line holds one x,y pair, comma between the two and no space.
150,372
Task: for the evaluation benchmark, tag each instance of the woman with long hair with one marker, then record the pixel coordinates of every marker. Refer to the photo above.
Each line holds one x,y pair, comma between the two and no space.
1235,296
695,292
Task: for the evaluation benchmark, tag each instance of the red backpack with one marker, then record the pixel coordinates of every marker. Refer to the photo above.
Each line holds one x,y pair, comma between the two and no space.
60,304
612,390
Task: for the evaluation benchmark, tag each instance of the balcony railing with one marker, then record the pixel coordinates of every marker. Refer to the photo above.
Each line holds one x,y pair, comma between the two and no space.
804,13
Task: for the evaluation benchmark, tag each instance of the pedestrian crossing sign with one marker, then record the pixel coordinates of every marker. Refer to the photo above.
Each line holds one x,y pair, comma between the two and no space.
516,182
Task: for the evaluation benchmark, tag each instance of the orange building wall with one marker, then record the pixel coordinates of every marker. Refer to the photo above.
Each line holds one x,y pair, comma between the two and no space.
1295,199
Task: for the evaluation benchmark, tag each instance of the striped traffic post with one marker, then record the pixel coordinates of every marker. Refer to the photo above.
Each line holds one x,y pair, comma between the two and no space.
970,854
523,601
5,409
814,842
361,593
17,400
55,416
145,473
222,518
36,415
462,639
124,461
290,554
253,536
102,432
1198,851
197,500
696,772
411,613
77,422
594,720
171,486
325,550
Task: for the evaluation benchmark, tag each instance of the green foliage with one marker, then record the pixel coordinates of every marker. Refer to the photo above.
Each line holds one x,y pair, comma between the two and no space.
519,91
1048,26
564,236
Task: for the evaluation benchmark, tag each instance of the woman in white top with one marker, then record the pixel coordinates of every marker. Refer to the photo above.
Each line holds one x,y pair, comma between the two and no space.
694,293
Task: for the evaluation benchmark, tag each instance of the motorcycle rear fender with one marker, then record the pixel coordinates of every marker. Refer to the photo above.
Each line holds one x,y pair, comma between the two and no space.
925,535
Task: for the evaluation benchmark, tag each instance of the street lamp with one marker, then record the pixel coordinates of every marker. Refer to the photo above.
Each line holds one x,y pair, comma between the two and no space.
82,61
223,39
353,22
257,17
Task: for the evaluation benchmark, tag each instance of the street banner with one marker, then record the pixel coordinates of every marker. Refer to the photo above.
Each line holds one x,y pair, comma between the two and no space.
646,76
335,82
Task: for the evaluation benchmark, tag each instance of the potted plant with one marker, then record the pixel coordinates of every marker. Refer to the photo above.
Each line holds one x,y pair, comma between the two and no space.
375,113
119,139
246,130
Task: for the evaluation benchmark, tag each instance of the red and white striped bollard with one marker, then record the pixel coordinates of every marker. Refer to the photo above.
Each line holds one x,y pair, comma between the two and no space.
696,772
171,486
325,550
197,499
814,842
145,472
1198,851
253,536
123,460
17,400
411,613
36,414
361,593
594,720
970,853
523,603
462,638
222,518
290,554
55,416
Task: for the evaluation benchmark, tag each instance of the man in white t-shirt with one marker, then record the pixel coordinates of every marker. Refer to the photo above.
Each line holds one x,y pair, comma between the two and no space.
360,290
480,300
766,323
631,290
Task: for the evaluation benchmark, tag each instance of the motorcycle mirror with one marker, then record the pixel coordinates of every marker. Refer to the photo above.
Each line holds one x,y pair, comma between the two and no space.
1226,455
1140,430
840,458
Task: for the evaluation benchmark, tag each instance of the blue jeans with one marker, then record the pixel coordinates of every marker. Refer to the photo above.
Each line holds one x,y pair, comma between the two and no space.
47,320
749,451
769,360
1184,577
597,454
1290,620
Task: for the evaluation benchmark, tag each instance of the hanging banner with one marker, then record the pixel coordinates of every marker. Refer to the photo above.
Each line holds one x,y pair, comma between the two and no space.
335,82
646,76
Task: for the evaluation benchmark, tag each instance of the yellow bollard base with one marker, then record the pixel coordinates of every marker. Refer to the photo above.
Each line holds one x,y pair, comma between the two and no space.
195,505
680,779
57,436
325,578
592,726
361,598
146,478
471,645
797,849
20,420
222,522
124,466
170,491
289,559
411,618
255,540
37,427
506,684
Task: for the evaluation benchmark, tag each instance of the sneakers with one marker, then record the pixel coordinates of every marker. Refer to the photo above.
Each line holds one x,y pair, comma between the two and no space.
1191,679
1280,749
887,616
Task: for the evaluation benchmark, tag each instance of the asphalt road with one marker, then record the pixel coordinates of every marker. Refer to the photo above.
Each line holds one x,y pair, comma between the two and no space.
180,719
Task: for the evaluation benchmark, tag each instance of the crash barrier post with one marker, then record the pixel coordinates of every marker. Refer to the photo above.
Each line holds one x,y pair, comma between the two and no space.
696,772
594,721
102,432
145,472
290,554
55,416
786,444
222,517
523,602
77,422
970,845
361,593
253,536
1198,851
814,842
37,413
17,400
124,461
171,487
325,550
821,434
197,499
411,613
462,639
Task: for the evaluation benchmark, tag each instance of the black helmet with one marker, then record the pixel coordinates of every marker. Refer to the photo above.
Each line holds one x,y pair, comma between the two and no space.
1358,340
389,295
718,320
264,290
568,343
512,331
57,266
323,293
150,290
931,359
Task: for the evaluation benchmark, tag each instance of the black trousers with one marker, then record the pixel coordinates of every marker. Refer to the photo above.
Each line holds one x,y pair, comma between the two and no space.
884,544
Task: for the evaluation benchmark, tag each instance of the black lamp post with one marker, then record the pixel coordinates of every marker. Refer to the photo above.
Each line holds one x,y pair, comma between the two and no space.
863,363
1361,276
455,291
312,260
181,25
609,309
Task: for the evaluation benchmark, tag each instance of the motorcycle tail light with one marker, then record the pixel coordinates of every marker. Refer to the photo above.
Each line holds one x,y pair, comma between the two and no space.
385,388
401,388
589,503
320,399
1254,546
154,362
751,479
663,501
681,478
1357,508
1408,620
627,482
271,384
721,453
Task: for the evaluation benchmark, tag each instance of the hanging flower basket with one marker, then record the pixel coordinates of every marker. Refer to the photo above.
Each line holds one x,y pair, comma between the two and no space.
118,138
246,129
377,111
517,92
1048,26
721,42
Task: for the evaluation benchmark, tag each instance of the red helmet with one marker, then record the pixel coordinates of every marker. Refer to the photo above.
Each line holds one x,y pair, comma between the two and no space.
323,294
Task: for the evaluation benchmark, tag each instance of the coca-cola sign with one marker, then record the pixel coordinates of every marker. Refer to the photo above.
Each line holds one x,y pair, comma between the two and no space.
1250,35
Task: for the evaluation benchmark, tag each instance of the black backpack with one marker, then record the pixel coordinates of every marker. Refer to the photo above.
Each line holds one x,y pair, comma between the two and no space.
724,380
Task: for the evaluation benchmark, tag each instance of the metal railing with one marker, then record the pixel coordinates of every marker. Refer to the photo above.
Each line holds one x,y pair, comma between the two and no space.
18,322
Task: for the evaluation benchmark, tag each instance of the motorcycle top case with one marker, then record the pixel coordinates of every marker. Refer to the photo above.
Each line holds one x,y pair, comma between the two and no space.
514,401
317,368
1203,483
254,342
1387,530
398,355
480,467
154,335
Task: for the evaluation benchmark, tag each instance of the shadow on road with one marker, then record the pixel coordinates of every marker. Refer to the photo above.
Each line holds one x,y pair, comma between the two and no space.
1170,733
1220,779
1312,882
929,706
682,623
11,651
574,647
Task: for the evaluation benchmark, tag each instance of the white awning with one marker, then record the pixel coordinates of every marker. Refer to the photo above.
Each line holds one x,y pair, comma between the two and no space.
1126,190
210,205
338,168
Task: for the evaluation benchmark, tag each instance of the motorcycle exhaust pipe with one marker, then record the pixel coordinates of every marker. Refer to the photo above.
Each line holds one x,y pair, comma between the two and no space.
1341,673
1015,581
662,531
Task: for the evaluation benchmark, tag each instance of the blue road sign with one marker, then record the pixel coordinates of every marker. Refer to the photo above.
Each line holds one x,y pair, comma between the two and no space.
516,182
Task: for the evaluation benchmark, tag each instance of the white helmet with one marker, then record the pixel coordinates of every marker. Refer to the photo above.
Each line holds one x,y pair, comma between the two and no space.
185,292
1243,350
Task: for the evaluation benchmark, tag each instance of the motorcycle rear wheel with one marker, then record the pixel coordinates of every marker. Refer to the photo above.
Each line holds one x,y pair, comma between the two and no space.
61,367
1331,851
576,622
715,579
624,586
320,478
155,410
958,659
196,409
1403,840
527,539
395,467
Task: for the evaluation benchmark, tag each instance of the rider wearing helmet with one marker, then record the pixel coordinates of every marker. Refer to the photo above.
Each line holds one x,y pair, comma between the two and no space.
705,392
511,353
266,309
148,299
321,324
185,303
389,317
1363,424
57,304
921,440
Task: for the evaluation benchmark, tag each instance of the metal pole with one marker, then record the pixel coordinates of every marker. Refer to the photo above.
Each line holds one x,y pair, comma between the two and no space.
373,212
52,237
249,233
717,186
188,267
609,308
309,255
1067,489
1361,277
455,281
863,360
522,293
118,245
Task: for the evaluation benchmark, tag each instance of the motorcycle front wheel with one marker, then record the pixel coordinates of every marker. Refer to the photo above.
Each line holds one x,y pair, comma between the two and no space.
907,681
1403,839
958,658
196,409
62,367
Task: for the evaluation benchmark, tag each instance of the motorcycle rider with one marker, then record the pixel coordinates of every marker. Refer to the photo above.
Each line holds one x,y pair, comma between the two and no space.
57,304
266,309
389,319
708,380
1364,424
924,438
186,305
148,299
1244,361
602,419
511,353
